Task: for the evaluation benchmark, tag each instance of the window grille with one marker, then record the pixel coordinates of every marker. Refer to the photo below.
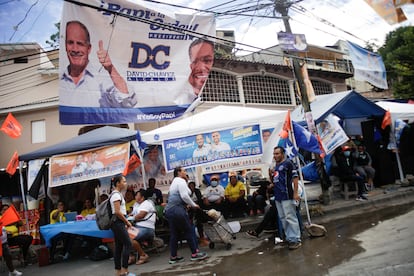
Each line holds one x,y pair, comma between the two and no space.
266,90
221,87
321,88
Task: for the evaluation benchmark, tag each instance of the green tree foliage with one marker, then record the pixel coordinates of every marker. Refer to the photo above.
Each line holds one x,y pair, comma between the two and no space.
398,56
54,38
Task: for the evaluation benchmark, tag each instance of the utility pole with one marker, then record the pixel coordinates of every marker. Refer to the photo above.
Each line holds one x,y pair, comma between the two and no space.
282,7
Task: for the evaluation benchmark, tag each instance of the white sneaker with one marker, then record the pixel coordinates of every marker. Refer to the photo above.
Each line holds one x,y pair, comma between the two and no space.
15,273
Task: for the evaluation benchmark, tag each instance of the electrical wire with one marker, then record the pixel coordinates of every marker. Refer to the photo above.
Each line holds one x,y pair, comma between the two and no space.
24,18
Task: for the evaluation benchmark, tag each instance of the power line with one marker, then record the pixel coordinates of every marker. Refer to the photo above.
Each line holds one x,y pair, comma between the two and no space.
24,18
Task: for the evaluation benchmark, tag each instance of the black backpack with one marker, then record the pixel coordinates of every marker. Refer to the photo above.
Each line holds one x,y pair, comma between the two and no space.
104,216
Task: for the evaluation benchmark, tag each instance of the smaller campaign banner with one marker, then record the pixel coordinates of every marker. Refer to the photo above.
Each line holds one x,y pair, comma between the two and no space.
368,66
292,42
204,148
331,133
87,165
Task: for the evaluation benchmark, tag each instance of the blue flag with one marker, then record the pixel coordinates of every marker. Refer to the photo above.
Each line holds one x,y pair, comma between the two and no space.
305,139
141,144
290,149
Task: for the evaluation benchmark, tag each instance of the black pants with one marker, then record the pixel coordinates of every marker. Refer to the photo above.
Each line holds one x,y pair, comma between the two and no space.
23,241
123,244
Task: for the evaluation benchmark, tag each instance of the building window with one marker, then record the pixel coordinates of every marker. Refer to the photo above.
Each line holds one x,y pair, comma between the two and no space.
321,88
221,87
38,131
266,90
21,60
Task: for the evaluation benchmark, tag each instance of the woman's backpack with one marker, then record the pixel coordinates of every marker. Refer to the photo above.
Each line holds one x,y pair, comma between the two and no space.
104,216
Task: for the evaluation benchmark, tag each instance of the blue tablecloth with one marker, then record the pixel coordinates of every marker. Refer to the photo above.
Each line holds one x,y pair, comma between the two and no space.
83,228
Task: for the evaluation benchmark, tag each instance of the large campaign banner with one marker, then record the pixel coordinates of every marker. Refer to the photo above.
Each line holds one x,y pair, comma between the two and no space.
368,66
331,133
204,148
123,62
87,165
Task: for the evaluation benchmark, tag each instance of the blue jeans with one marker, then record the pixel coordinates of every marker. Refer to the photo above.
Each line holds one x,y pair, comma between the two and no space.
179,222
287,214
145,234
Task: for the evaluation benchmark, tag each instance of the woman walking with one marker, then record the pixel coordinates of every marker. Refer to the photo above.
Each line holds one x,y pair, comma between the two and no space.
178,219
122,241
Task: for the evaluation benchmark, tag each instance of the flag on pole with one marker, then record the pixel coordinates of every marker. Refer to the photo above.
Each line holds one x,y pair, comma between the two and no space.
10,216
386,121
286,126
13,164
11,127
133,163
141,144
290,150
305,139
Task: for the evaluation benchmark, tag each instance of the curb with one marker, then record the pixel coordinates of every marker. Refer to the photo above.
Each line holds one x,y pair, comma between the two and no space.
340,208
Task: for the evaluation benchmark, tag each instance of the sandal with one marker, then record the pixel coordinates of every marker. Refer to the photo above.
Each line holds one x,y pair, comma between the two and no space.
131,259
142,260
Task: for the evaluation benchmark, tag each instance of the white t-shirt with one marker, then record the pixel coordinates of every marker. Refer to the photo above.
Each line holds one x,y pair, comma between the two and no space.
116,196
214,193
150,218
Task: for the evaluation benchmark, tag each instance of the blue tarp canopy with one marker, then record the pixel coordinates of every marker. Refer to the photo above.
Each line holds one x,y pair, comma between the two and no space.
345,105
104,136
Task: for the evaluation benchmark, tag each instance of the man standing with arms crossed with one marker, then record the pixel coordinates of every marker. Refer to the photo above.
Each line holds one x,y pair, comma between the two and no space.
286,196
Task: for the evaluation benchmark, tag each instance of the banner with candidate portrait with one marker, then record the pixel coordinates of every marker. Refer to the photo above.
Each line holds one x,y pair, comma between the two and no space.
122,61
86,165
292,42
204,148
368,66
331,133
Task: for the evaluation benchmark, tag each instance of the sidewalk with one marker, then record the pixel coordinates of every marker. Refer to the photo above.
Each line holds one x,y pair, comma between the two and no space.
384,197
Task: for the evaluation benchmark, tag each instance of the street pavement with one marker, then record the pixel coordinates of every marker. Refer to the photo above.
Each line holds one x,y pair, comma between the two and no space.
389,196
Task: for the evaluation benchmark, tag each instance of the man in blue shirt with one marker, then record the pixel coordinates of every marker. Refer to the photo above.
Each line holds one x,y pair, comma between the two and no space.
286,196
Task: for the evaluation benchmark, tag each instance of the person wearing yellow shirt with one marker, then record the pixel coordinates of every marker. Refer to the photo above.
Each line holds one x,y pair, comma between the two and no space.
129,200
88,208
235,201
58,216
14,238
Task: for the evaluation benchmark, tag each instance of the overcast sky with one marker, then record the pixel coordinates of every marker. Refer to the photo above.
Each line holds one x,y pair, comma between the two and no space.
354,20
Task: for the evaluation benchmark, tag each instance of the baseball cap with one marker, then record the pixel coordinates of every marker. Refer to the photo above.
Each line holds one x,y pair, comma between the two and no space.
345,148
214,176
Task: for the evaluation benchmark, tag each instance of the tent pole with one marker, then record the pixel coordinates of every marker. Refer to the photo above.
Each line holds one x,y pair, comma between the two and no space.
22,186
138,150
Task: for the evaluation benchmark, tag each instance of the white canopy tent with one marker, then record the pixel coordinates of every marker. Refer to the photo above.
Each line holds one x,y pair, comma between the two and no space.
219,118
403,111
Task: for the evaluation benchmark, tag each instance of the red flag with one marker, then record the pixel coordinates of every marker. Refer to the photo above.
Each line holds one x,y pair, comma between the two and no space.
10,216
13,164
12,127
286,126
386,121
133,163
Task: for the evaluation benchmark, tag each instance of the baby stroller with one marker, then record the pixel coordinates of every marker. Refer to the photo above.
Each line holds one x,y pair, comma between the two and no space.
218,230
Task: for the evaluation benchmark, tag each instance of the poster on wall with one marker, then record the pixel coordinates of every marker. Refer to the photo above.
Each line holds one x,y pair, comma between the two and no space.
204,148
86,165
331,133
123,61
